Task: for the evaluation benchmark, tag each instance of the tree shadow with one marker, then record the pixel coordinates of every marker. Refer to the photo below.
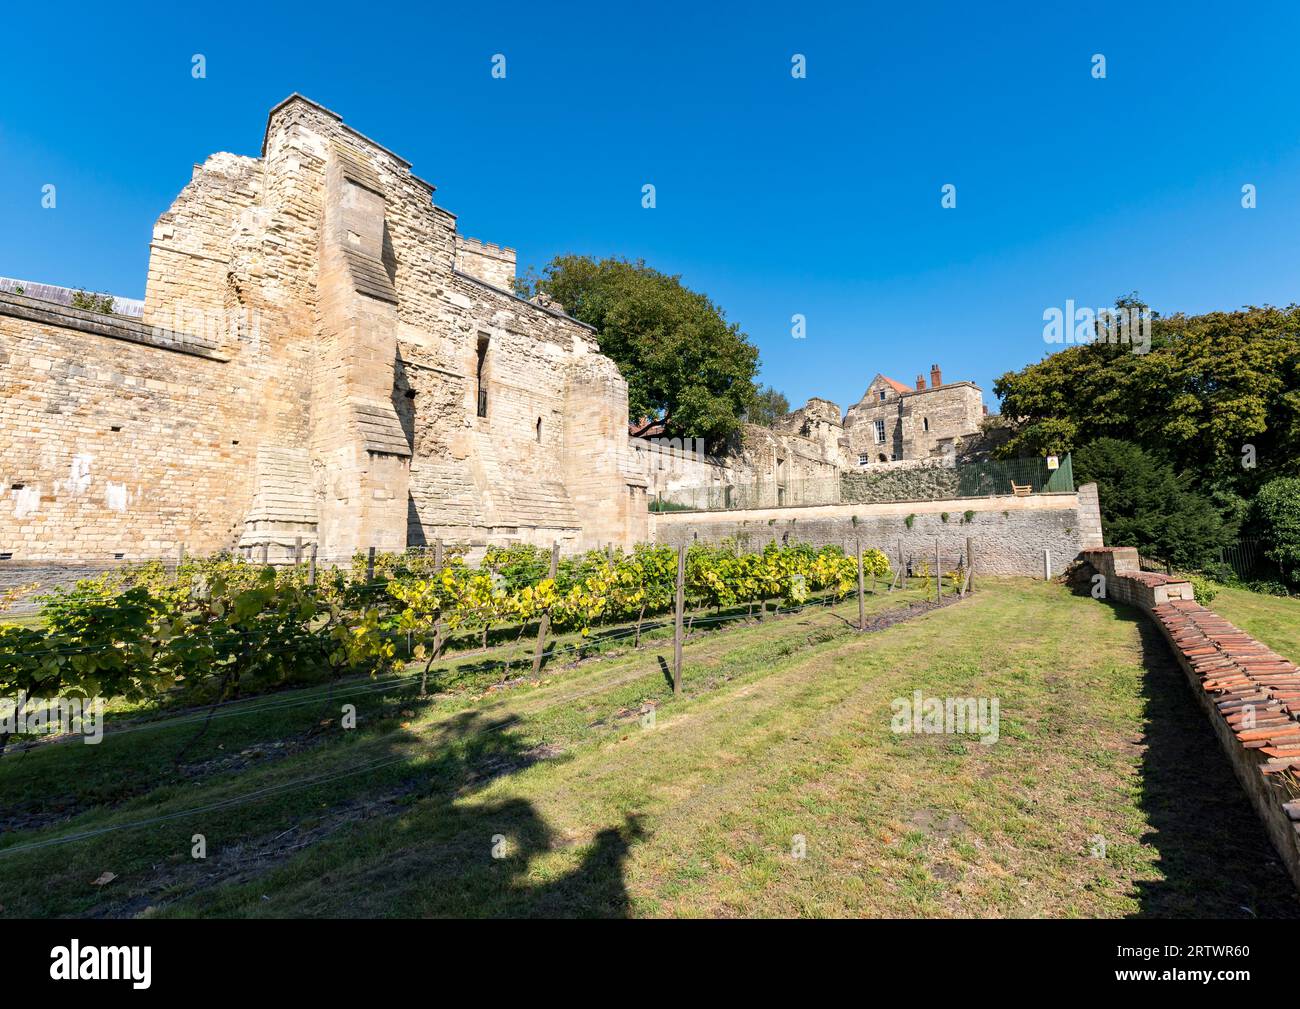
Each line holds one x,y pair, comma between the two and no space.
444,847
1215,856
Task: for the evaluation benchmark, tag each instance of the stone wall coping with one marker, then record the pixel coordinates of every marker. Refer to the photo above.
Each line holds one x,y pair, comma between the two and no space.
115,327
637,443
523,301
1052,501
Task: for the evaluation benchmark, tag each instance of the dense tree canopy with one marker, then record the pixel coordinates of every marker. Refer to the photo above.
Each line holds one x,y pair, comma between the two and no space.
769,406
1213,407
1217,397
684,363
1276,512
1146,505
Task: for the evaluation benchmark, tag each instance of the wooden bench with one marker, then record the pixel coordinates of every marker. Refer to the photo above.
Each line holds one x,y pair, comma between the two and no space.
1021,489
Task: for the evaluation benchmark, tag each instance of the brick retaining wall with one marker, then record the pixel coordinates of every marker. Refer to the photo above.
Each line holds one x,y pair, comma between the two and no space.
1249,692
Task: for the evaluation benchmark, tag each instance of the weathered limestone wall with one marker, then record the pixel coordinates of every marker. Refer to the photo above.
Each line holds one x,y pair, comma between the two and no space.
127,444
820,421
339,338
1009,534
605,489
910,480
796,461
490,263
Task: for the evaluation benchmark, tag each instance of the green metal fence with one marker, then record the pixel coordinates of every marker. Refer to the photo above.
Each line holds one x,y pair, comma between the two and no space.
1002,476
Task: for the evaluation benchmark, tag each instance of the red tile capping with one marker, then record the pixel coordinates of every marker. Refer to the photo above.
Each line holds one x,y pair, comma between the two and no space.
1250,693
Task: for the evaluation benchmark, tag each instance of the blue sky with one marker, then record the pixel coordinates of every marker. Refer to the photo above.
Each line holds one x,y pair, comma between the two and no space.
775,196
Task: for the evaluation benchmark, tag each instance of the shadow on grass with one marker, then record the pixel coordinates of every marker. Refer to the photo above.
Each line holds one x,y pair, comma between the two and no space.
424,841
1215,856
666,670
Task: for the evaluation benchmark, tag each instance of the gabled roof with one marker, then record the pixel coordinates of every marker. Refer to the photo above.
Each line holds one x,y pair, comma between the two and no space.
896,385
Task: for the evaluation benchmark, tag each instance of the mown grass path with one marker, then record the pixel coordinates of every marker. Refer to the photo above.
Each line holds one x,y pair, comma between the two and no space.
783,730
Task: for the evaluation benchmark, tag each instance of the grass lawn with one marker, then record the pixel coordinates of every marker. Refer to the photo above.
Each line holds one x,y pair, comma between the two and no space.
1275,620
1104,795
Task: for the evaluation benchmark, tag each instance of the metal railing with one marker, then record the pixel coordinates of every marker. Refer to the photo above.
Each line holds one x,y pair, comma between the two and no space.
1247,561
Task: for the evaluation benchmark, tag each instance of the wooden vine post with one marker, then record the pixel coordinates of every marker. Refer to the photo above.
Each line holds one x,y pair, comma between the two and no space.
544,624
862,602
679,607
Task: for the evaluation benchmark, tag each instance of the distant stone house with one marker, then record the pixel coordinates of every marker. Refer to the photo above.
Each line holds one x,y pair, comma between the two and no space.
897,423
800,459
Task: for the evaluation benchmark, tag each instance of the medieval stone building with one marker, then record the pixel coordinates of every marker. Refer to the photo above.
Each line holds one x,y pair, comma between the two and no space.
321,359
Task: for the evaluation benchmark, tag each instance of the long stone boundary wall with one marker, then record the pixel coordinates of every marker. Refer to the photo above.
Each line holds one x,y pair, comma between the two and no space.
1009,535
1249,692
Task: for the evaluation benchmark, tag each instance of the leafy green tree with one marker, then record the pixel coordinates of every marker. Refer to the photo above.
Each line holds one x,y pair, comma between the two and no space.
769,407
1217,397
1145,504
684,363
1276,513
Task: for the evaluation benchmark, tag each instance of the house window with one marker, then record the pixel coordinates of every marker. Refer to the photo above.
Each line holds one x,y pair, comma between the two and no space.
882,395
539,429
863,458
880,432
925,423
482,366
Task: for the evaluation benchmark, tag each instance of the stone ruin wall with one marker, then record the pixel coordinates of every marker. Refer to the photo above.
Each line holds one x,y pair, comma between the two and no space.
772,466
115,448
811,455
306,372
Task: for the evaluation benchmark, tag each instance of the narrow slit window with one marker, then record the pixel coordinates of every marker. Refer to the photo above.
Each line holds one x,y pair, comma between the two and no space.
482,367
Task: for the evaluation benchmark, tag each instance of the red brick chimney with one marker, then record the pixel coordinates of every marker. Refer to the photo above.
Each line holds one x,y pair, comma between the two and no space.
936,379
920,383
